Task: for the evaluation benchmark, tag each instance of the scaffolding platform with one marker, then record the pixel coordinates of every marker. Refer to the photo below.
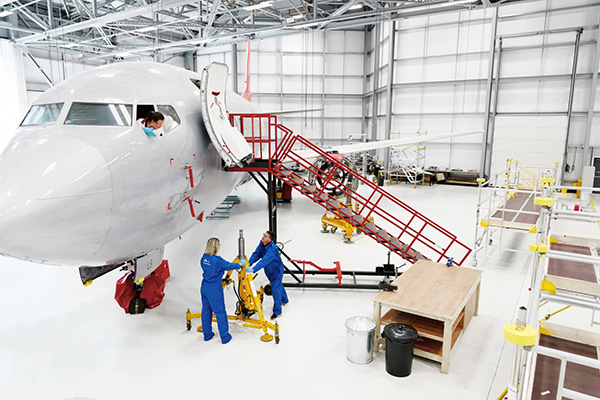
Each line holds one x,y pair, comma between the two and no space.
507,202
564,361
578,378
573,276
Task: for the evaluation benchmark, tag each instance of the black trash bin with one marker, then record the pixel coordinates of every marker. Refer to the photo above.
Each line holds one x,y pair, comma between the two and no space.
380,178
399,343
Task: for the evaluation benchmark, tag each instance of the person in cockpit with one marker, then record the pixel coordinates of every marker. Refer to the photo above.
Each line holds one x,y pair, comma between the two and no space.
152,123
213,301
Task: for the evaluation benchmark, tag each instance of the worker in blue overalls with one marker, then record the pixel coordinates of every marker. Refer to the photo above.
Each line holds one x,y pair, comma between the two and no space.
270,259
213,301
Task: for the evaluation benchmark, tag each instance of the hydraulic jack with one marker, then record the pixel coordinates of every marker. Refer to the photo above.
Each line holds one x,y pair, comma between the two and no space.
249,302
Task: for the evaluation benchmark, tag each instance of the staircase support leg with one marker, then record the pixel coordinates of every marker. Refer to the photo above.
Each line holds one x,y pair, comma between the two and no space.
272,198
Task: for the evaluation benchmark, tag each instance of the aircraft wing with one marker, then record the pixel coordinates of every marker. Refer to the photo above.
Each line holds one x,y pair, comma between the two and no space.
364,146
419,171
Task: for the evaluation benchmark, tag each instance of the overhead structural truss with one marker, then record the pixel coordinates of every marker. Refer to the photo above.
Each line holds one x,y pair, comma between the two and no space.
136,28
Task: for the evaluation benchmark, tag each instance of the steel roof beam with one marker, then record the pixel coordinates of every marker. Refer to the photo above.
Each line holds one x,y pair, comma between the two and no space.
105,19
31,16
339,11
91,15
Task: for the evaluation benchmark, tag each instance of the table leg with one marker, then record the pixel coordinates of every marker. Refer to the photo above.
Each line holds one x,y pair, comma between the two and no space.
377,319
446,346
477,298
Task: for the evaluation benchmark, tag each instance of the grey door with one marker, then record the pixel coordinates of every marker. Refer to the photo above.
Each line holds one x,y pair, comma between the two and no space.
597,173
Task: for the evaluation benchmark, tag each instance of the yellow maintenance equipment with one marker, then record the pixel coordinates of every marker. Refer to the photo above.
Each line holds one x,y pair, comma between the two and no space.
335,221
526,336
547,181
548,286
541,248
249,308
543,201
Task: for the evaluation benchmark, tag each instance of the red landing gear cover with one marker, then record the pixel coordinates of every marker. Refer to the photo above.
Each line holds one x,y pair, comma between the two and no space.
125,291
154,285
152,289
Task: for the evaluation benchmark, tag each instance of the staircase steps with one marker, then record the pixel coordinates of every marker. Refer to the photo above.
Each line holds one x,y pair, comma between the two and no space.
395,225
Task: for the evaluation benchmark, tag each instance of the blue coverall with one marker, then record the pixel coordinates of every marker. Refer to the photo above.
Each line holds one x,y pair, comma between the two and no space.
270,260
213,301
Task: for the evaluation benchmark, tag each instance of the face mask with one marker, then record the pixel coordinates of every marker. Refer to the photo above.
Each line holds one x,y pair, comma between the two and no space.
149,131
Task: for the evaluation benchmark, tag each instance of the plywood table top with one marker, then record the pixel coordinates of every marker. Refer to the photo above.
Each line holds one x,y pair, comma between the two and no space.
432,290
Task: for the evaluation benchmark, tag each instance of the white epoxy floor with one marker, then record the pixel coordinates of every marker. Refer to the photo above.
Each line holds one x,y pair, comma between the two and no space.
60,340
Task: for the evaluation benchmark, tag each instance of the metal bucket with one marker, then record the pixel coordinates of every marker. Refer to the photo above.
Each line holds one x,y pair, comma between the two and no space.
359,339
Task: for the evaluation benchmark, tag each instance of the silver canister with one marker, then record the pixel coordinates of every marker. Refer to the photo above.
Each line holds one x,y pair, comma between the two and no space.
359,339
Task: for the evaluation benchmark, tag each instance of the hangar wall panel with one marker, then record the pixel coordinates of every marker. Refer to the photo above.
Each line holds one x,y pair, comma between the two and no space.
13,101
442,62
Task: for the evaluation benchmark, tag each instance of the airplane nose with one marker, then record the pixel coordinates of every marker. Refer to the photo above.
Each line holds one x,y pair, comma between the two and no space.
55,200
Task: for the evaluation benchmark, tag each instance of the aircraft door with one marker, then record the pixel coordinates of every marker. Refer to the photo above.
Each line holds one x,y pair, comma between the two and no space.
228,140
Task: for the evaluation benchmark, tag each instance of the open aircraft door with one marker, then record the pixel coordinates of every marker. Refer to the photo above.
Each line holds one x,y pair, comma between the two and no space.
228,140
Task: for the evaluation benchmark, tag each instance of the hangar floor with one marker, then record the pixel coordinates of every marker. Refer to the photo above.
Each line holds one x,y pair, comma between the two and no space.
60,340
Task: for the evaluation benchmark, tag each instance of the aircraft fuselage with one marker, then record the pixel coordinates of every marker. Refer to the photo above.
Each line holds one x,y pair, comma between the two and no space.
76,194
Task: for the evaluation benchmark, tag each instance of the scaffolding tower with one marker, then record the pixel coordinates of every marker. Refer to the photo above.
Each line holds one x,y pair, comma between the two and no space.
506,201
555,360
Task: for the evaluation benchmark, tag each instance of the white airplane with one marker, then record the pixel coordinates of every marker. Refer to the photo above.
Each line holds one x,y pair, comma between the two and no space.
82,184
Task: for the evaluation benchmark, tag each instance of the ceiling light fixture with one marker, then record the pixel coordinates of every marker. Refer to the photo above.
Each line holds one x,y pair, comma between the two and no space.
294,18
258,6
356,7
146,29
5,13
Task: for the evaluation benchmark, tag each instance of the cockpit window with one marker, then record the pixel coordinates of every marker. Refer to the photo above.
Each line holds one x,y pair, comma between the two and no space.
42,114
172,120
99,114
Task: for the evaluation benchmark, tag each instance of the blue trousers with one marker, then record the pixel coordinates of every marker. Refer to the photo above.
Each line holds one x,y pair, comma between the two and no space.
279,294
213,301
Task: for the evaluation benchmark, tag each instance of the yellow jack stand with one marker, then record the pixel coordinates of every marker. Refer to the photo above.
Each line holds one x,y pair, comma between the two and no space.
336,222
249,303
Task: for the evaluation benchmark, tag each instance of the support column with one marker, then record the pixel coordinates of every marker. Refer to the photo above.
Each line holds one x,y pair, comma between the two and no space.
50,14
234,67
375,103
272,198
488,98
189,61
570,104
390,82
364,125
587,156
323,90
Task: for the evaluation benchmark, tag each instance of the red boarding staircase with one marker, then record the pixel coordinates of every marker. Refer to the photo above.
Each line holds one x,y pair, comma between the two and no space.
396,225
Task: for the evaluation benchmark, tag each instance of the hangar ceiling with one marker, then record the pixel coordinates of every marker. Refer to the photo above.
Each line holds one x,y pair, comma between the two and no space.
106,29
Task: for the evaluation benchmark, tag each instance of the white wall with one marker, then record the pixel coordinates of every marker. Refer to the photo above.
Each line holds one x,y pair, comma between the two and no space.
441,65
305,71
12,90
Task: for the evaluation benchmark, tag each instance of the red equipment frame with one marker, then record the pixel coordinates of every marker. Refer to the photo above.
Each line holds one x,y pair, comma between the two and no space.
419,238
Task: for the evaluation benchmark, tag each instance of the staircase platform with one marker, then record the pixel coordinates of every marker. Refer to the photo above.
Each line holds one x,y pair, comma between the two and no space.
397,226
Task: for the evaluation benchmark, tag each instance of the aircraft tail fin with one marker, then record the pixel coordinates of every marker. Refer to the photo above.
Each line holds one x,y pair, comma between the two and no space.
247,95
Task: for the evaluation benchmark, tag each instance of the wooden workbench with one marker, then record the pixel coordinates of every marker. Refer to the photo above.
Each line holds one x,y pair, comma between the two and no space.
438,301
